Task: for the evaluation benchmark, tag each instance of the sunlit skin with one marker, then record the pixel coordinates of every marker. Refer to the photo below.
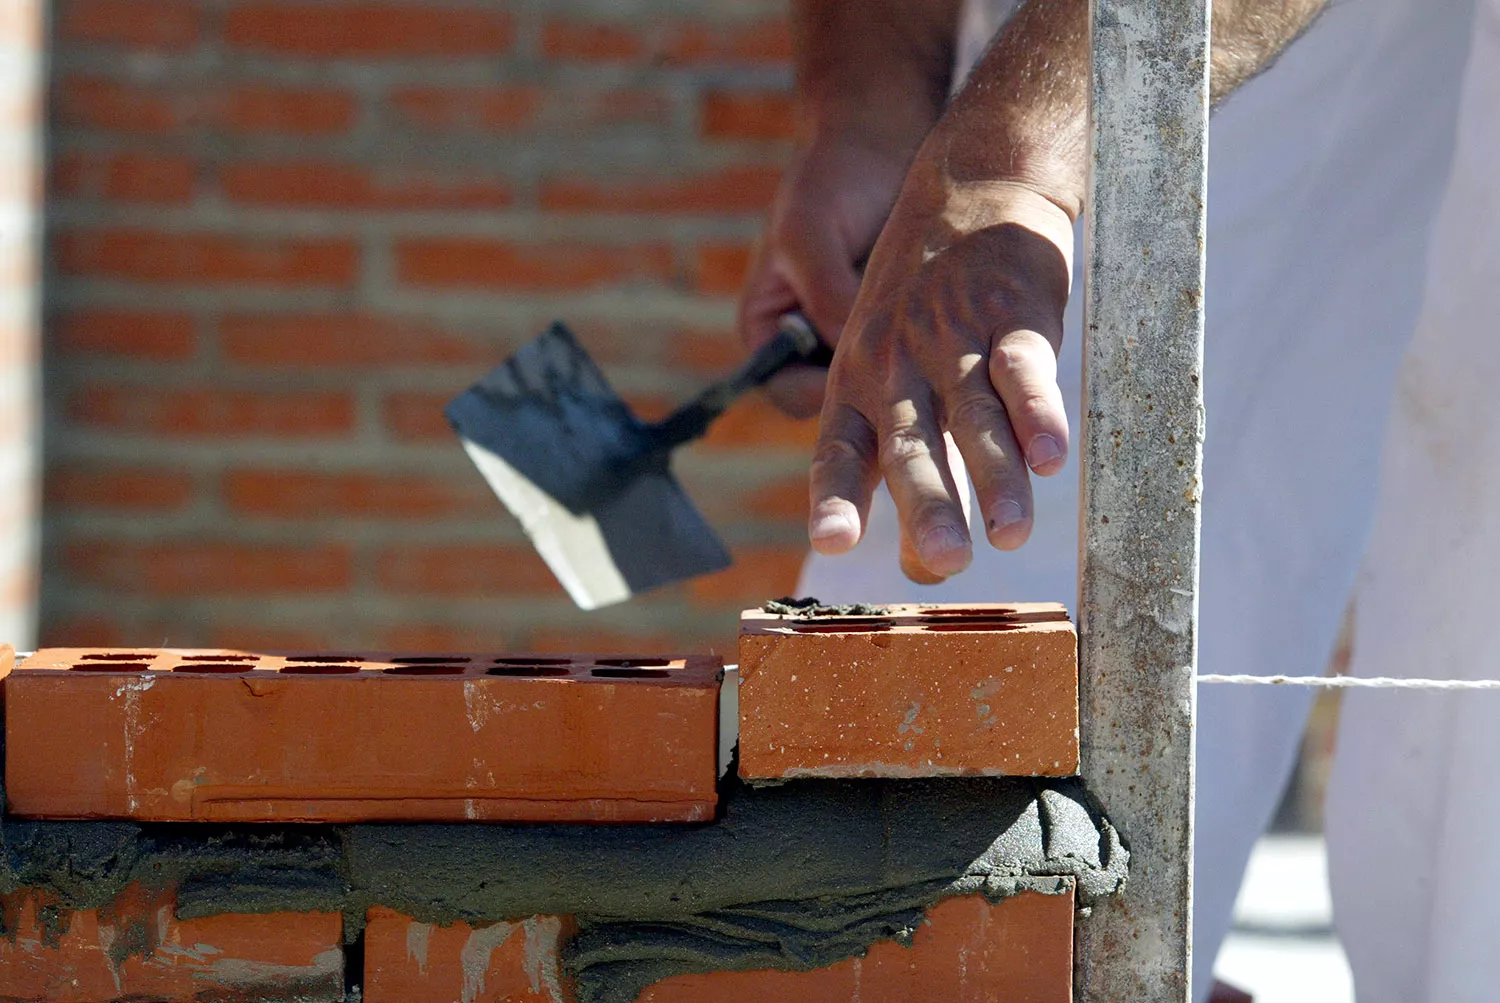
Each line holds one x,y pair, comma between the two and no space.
963,219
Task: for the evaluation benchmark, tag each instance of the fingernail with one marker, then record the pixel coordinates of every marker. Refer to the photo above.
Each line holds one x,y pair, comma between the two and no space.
1007,513
831,524
939,542
1043,450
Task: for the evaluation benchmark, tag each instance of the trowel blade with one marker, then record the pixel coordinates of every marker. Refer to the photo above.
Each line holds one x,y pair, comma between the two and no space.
645,536
550,414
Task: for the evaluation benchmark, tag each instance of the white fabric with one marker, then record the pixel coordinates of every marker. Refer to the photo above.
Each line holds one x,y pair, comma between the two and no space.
1414,805
1324,174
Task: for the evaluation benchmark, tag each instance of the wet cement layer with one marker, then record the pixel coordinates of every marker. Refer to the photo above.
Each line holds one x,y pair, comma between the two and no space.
793,877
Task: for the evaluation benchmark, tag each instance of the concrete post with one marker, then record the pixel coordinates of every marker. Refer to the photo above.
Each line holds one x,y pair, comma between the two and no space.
1141,466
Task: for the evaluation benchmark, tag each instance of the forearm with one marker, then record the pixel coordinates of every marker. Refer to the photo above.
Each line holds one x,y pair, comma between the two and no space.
1023,115
873,72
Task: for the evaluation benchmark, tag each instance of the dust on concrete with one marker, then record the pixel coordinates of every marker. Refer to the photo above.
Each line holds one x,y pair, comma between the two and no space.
792,877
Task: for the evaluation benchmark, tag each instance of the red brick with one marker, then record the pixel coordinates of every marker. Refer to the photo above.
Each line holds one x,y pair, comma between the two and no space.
705,351
101,488
753,423
203,411
757,574
748,42
591,41
780,501
932,690
304,494
125,177
414,416
198,567
150,256
739,189
369,30
464,570
720,269
146,24
293,111
263,637
100,103
426,638
183,735
542,267
499,109
90,629
762,115
344,340
329,185
159,337
513,962
231,957
562,639
1017,950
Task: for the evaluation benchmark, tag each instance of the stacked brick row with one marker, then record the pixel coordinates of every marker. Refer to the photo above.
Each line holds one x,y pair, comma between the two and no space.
285,232
196,736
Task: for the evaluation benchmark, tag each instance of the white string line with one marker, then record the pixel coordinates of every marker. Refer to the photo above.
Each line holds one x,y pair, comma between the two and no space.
1355,682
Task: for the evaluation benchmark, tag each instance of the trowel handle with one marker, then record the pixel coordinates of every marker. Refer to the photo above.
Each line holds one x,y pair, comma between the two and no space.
796,341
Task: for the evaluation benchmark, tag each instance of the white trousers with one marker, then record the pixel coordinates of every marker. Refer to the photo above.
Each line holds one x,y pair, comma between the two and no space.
1414,804
1324,177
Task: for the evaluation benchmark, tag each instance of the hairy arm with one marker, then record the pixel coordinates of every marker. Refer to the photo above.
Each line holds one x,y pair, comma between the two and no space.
956,328
873,68
872,80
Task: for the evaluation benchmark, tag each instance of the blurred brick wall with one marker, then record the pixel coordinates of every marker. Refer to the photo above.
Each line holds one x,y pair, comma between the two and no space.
283,234
20,235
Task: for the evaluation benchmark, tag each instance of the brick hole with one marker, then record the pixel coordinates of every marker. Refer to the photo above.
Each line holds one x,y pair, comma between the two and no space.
973,625
431,660
117,656
529,671
214,667
111,666
533,661
948,614
631,673
449,669
216,658
840,626
319,669
322,658
639,663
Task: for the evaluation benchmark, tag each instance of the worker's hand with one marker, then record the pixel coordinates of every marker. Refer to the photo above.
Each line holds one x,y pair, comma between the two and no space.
831,205
955,330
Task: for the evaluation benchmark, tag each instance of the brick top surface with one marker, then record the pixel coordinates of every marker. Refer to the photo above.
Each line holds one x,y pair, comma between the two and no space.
915,617
665,670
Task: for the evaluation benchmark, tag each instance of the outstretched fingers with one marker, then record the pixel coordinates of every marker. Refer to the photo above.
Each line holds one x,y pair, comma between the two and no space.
914,459
1023,371
842,479
980,425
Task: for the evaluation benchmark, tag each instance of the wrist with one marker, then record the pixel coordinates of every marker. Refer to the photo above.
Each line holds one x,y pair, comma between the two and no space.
892,122
988,152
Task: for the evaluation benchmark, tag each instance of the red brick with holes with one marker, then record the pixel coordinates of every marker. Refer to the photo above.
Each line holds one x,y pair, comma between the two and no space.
234,736
910,691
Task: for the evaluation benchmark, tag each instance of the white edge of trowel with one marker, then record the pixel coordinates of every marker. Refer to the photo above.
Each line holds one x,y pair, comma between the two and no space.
572,545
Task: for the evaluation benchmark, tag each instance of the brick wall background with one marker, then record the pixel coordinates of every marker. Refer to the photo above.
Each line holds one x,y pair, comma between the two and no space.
285,232
20,234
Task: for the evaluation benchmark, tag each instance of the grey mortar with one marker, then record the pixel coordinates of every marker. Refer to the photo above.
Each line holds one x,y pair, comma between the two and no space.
791,877
807,607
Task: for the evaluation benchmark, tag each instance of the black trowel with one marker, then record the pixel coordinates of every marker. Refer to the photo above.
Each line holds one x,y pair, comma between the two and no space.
590,482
